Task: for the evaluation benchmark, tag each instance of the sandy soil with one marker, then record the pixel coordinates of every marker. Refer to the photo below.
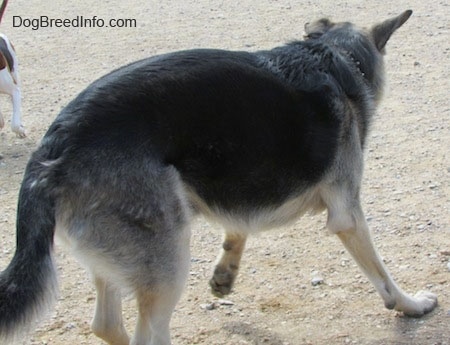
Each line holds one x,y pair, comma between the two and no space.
406,189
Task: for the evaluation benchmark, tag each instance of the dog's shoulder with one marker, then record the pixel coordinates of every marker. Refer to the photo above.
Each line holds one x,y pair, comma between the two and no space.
312,66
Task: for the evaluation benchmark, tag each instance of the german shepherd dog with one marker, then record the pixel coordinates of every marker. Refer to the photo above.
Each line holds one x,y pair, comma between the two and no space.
250,139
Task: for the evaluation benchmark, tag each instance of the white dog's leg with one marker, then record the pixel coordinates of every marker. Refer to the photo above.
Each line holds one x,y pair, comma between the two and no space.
8,86
351,227
227,267
3,83
2,121
107,323
16,122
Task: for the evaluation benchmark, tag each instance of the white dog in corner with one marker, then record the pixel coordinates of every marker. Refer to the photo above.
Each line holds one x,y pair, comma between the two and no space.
9,80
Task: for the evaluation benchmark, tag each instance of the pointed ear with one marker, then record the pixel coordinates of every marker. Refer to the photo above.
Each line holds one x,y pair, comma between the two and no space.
317,28
382,32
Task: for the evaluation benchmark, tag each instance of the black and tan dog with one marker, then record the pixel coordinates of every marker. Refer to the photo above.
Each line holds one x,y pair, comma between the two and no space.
252,140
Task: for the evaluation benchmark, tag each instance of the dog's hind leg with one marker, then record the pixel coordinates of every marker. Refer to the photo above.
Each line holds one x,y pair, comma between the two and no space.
107,323
227,267
351,227
154,314
158,293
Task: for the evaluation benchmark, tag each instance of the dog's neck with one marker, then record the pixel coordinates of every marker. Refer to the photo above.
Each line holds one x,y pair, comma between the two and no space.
349,55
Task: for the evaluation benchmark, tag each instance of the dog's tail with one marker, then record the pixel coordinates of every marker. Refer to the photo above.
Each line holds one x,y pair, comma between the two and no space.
28,285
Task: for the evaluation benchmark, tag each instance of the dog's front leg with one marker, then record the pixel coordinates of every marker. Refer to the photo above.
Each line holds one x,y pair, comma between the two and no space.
227,267
352,229
2,121
16,123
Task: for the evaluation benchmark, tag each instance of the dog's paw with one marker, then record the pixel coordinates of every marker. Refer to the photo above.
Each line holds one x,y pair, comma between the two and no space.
424,302
222,282
20,131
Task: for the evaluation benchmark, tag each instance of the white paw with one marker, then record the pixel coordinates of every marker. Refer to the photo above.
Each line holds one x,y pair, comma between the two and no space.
424,302
20,131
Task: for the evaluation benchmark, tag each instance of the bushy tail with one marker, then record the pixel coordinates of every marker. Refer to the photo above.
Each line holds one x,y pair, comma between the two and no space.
28,285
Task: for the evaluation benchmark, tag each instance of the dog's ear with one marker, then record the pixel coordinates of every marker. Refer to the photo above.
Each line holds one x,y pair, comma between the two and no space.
318,28
383,31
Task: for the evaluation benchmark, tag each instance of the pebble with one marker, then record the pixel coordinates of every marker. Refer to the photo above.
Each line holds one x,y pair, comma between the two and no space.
448,266
70,325
225,302
215,305
208,306
316,281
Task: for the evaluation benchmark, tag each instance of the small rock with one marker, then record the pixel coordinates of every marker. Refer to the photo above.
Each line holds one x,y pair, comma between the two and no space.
448,266
317,280
208,306
70,325
225,302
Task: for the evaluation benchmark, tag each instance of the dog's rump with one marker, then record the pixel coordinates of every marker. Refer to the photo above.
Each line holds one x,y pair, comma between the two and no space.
238,134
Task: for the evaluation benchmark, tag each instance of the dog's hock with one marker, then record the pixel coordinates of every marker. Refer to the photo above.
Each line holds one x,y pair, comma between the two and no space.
383,31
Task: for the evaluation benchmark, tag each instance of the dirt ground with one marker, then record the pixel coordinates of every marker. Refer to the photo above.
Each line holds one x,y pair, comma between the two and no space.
406,190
